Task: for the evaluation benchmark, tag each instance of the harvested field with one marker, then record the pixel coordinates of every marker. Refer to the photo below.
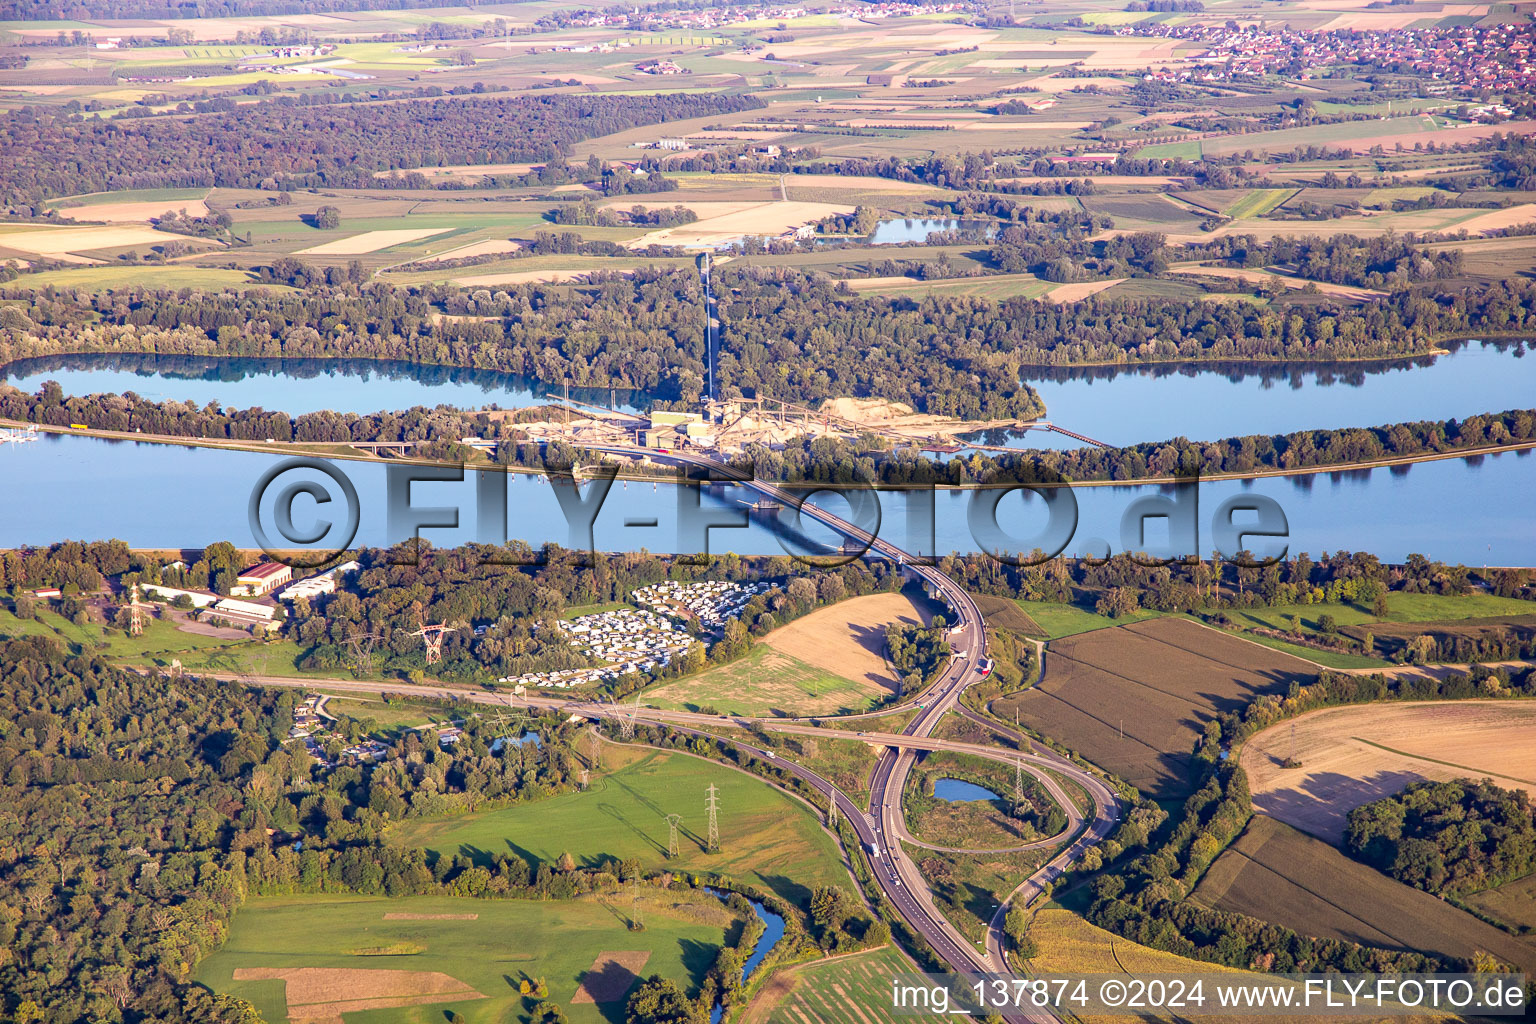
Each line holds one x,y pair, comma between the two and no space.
1080,290
431,917
56,241
864,183
1509,217
1276,873
830,661
760,219
134,213
848,639
1135,698
325,993
611,976
1353,755
489,247
370,241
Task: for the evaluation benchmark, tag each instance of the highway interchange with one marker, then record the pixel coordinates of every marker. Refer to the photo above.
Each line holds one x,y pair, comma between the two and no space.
882,829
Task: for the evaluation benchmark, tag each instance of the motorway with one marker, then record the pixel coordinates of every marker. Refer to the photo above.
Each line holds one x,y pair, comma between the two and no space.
883,828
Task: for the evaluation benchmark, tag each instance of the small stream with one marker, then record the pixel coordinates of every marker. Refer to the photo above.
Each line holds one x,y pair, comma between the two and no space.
773,926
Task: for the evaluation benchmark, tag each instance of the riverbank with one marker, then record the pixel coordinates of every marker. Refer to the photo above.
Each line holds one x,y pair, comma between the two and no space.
662,474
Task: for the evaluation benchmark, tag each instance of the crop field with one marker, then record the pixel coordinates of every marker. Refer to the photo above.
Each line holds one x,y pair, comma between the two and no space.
761,683
1276,873
59,241
1135,699
767,838
832,660
1070,945
1353,755
1259,202
408,960
370,241
100,279
994,286
856,987
1513,903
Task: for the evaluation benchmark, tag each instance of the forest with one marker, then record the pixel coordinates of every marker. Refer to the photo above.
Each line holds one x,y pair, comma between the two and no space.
332,145
785,333
1447,837
183,798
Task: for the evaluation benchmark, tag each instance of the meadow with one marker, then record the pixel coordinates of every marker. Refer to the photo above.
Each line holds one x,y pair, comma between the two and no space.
348,950
767,838
1276,873
1135,699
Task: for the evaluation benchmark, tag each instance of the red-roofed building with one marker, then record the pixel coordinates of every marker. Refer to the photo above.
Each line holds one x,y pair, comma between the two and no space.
261,578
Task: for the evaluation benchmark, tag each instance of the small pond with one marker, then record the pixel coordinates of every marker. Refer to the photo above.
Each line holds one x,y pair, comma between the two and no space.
960,791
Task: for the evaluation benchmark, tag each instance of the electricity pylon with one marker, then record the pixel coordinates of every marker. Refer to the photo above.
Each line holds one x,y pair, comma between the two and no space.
711,804
432,636
673,850
135,615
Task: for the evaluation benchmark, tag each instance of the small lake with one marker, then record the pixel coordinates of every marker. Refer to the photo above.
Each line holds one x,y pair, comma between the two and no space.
960,791
920,229
517,741
295,386
1126,405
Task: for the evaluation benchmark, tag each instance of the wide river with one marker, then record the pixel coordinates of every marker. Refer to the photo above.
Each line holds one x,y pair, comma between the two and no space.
1473,511
1476,511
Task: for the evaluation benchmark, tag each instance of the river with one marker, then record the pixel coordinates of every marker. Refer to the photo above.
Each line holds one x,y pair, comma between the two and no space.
1475,511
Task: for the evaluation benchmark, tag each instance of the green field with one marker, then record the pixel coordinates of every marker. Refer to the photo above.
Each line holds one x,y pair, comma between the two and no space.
767,838
132,195
1059,620
1513,903
849,988
992,286
1172,151
100,279
967,887
1332,659
506,941
1401,607
763,681
1259,202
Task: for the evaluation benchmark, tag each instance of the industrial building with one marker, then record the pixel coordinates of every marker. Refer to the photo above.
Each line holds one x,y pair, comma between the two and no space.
245,614
321,583
261,578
